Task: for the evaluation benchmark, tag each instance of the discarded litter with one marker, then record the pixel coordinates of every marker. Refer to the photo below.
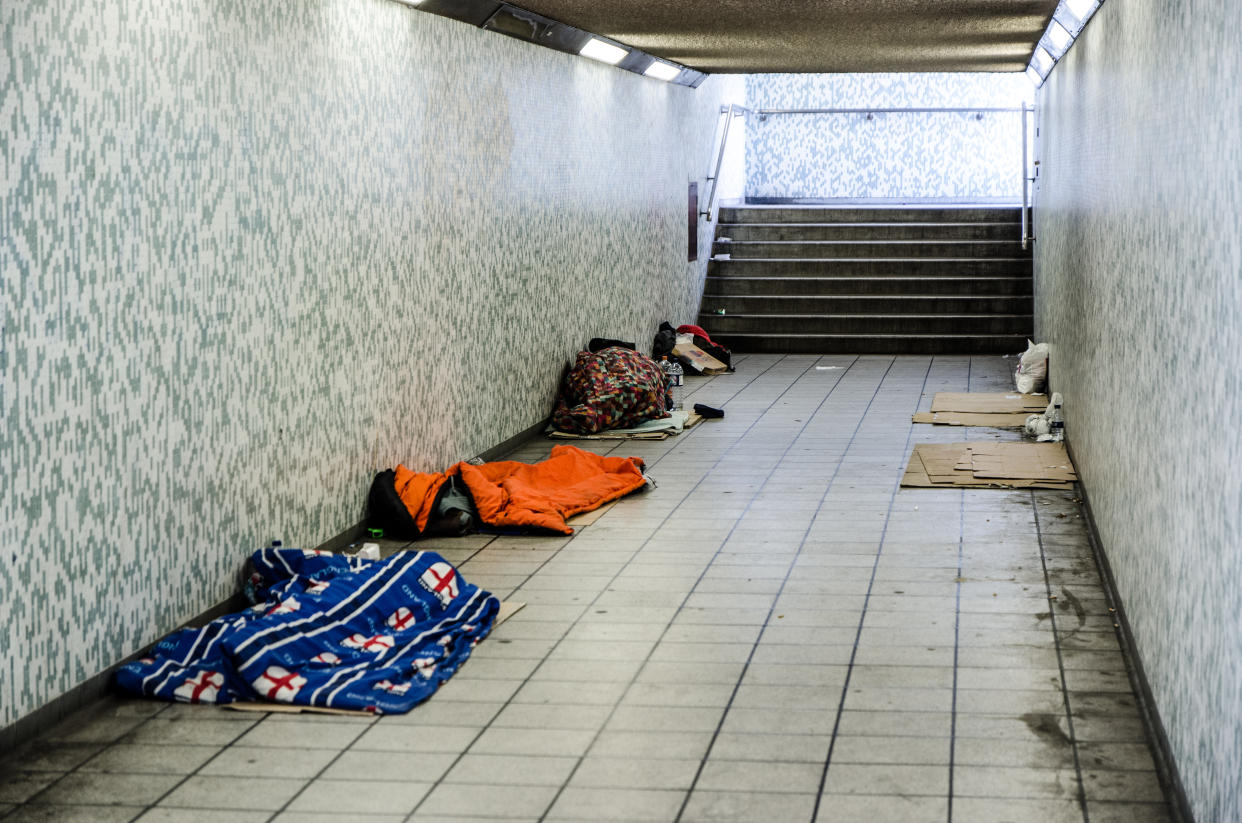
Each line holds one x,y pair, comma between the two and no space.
1032,373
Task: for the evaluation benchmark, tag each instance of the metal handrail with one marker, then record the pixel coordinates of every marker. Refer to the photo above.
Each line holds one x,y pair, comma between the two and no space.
1028,178
1025,167
764,113
732,110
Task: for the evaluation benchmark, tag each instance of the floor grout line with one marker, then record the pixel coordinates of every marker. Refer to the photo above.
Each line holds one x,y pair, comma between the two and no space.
823,778
957,621
1052,616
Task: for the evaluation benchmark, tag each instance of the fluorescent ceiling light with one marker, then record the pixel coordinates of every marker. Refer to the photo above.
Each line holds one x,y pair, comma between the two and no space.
1059,37
597,49
662,71
1081,9
1034,76
410,2
1042,61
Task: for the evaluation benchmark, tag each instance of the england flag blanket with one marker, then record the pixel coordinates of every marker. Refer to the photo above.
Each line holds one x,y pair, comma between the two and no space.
331,631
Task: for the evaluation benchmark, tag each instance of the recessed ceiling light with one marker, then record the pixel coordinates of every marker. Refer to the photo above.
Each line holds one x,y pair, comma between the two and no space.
1081,9
597,49
1059,37
662,71
1042,61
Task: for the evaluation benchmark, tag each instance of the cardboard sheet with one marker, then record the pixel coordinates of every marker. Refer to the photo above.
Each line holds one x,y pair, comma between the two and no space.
608,435
1043,461
651,430
998,421
989,465
985,403
700,361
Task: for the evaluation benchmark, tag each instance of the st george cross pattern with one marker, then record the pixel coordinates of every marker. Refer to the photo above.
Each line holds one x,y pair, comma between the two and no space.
441,580
279,684
201,689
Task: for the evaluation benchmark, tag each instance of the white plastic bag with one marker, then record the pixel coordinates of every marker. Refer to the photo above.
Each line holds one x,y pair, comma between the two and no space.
1032,374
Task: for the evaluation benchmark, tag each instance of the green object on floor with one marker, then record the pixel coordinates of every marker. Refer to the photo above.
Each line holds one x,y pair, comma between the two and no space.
375,533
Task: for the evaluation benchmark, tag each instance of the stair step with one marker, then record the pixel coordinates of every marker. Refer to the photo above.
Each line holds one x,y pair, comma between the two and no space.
784,324
869,231
873,343
874,267
873,249
782,286
869,279
869,214
902,303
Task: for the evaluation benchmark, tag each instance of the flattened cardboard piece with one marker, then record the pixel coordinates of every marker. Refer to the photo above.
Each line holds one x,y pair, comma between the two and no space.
951,465
1042,461
940,459
987,403
915,474
559,435
693,419
508,608
584,519
701,361
998,421
289,708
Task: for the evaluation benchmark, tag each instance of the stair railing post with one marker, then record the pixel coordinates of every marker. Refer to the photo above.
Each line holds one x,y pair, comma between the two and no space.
714,178
1025,164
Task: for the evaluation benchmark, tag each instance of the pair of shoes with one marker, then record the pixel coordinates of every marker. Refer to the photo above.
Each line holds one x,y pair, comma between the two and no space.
708,411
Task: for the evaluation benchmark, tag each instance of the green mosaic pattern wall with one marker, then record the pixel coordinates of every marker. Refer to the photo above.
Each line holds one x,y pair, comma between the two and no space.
1138,267
959,156
252,252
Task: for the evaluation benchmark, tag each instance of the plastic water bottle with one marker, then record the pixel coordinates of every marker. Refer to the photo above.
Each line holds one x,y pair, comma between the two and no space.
671,382
1056,420
668,383
676,376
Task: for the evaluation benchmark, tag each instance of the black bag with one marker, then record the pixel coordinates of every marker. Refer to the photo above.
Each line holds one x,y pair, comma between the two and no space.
453,512
665,340
598,344
385,509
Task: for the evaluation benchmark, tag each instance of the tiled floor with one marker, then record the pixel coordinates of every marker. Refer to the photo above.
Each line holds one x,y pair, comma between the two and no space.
776,633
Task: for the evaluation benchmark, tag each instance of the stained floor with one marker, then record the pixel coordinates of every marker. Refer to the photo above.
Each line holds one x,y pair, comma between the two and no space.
778,632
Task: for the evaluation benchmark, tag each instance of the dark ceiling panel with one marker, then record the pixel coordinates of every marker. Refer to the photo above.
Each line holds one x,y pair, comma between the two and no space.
818,35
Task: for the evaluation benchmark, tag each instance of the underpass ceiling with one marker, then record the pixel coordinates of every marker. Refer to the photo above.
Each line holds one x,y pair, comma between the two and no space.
752,36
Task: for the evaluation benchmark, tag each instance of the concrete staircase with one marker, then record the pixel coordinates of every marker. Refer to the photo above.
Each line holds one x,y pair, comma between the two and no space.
869,280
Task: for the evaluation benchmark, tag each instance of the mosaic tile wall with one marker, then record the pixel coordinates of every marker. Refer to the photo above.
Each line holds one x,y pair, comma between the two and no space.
253,252
923,155
1139,290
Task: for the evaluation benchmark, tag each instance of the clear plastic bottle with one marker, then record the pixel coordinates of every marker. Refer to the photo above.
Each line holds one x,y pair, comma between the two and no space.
670,385
1056,422
676,376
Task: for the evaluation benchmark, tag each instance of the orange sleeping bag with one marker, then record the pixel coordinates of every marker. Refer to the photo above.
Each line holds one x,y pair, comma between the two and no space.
543,495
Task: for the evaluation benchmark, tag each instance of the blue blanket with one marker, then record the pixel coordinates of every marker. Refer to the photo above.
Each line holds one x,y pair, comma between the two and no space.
331,631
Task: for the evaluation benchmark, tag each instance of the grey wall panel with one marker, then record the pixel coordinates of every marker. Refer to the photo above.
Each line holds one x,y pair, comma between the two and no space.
1139,290
253,252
